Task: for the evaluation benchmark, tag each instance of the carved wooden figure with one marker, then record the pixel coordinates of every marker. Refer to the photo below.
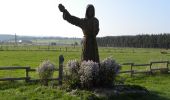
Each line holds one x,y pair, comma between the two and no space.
90,28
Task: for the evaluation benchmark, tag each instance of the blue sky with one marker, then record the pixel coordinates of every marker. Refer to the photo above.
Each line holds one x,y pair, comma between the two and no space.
116,17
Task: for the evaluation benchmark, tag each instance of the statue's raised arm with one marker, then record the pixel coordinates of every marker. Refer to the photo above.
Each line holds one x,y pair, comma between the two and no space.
67,16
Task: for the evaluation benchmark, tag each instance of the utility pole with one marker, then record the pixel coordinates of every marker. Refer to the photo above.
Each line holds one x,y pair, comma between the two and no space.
15,39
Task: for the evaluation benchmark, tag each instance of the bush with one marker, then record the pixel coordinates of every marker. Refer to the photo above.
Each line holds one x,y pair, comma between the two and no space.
73,67
88,74
108,71
45,71
72,78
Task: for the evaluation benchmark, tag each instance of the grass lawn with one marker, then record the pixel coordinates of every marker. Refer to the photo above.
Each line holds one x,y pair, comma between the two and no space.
158,84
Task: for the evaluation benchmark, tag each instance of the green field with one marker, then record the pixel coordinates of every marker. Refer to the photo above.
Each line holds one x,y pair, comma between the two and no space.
59,41
158,84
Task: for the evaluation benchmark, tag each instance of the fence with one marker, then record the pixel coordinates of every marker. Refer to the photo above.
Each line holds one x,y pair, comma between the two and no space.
151,66
27,78
65,48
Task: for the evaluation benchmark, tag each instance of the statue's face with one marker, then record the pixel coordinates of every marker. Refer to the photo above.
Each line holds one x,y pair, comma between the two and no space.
90,11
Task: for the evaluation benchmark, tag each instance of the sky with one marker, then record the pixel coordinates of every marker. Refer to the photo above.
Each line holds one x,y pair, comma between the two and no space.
116,17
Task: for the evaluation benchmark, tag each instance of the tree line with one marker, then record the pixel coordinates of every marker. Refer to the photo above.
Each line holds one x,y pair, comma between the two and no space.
138,41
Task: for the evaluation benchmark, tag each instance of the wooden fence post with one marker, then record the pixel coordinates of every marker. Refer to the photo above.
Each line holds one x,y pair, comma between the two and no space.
27,74
48,47
131,69
66,49
150,67
61,60
167,65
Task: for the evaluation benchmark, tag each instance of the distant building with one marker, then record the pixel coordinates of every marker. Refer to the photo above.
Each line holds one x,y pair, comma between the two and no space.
53,43
25,41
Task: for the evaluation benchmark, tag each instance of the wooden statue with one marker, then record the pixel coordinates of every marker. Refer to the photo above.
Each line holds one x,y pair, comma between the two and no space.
90,28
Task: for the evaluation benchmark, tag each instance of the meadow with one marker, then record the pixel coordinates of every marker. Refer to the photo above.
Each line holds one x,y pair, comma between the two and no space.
158,83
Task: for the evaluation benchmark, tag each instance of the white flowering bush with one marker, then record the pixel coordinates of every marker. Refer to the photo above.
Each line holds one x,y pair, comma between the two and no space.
108,71
72,78
73,67
45,71
89,72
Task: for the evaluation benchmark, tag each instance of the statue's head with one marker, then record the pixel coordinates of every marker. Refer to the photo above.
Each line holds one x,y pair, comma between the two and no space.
90,12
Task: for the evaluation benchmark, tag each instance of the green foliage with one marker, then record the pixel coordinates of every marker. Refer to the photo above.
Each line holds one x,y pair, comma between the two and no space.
138,41
24,91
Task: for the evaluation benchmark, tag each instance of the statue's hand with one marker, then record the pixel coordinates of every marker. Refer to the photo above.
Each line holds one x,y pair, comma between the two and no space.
61,7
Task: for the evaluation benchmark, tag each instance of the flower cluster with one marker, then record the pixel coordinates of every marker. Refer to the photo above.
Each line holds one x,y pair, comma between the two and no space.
110,65
72,78
73,66
46,69
108,71
89,72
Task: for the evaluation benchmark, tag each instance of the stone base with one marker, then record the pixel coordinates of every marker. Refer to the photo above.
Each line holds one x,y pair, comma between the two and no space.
119,90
